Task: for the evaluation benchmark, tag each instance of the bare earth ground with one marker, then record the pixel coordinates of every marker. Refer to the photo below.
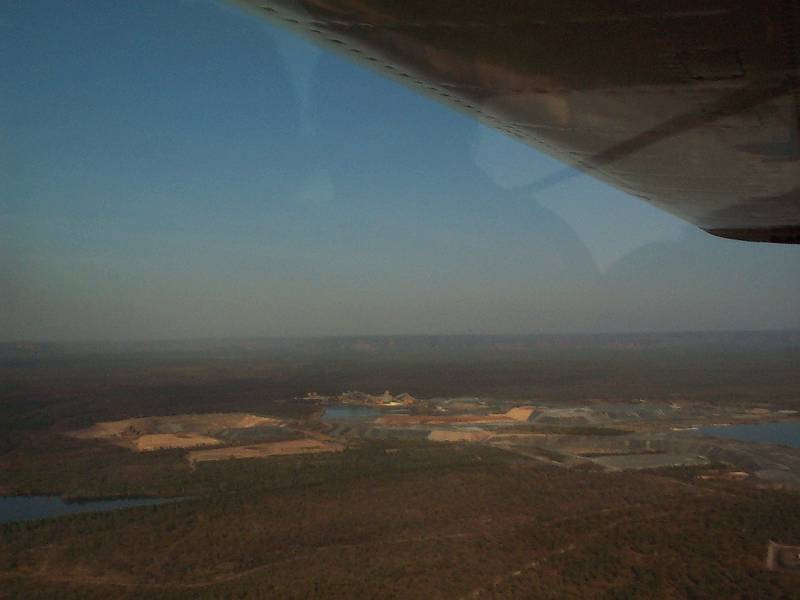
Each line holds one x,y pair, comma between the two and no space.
449,435
267,449
160,441
520,413
176,431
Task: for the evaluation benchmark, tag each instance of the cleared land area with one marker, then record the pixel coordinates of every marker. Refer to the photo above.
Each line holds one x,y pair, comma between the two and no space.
307,446
175,431
783,558
163,441
458,435
412,420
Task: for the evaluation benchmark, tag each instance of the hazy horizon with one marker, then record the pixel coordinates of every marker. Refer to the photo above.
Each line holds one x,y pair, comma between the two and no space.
357,337
208,176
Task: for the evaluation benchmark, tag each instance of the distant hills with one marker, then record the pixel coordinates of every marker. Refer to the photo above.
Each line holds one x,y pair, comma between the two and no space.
403,344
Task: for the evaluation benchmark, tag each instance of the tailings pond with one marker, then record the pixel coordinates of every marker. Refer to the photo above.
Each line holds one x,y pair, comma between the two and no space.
786,433
353,412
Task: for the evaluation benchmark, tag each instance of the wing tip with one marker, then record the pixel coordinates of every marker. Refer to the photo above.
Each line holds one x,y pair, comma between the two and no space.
770,235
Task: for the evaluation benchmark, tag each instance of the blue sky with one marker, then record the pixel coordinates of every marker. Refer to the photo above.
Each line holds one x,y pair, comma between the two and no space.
183,169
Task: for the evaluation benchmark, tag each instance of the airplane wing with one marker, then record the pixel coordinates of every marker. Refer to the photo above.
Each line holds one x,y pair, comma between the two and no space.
691,105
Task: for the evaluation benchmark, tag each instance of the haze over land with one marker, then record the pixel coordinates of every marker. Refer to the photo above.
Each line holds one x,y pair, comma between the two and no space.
497,466
210,235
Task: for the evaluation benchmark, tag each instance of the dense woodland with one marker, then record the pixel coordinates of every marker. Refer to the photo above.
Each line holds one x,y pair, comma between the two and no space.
434,521
385,519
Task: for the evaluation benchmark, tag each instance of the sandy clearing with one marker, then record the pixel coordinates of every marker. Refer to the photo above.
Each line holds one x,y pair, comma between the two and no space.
160,441
521,413
464,435
200,423
265,450
174,431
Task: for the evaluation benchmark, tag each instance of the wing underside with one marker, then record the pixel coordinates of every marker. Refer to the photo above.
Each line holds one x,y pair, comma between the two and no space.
692,106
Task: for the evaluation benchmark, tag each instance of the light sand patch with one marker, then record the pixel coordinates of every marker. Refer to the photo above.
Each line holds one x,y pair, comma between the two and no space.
521,413
174,431
160,441
455,435
265,450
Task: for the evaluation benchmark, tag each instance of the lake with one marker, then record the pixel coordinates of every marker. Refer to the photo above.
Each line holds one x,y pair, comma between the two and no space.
351,412
784,432
29,508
